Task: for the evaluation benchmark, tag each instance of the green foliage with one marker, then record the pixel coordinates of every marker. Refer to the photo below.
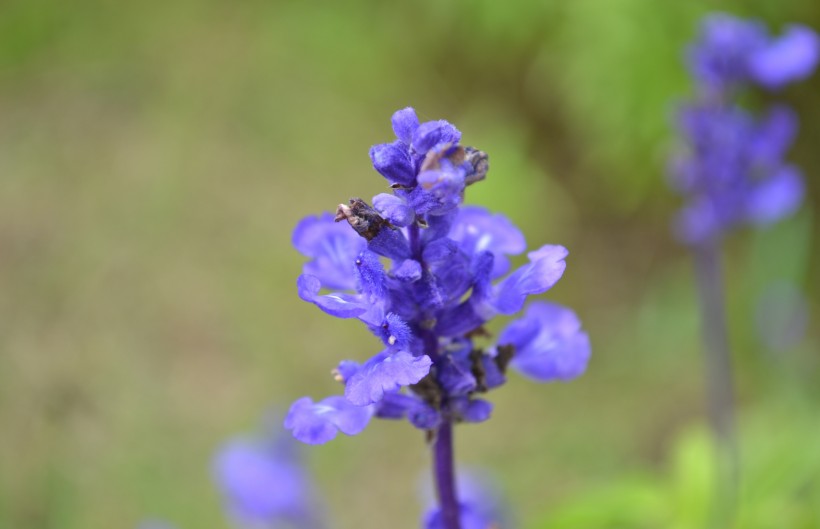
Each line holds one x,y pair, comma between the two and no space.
779,484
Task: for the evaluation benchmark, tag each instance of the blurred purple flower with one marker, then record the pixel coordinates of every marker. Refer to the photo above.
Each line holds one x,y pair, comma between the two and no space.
264,483
733,170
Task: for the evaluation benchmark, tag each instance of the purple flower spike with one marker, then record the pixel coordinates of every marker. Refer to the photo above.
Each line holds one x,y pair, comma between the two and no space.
318,423
733,170
549,343
792,57
418,271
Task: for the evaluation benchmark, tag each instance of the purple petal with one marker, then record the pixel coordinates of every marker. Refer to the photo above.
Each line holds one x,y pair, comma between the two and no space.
336,304
442,189
371,383
390,243
408,271
398,406
434,134
455,376
394,332
776,197
545,269
262,484
405,124
471,410
392,161
720,55
477,230
774,136
333,248
370,276
318,423
698,222
394,209
791,57
549,343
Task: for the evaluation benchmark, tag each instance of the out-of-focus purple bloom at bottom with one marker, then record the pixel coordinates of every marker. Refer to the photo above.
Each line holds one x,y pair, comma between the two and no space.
264,483
481,505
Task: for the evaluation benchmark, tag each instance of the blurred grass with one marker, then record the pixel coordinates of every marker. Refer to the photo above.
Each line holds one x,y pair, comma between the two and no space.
155,156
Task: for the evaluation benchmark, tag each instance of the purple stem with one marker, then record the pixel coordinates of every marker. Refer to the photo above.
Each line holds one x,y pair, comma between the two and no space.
443,469
718,366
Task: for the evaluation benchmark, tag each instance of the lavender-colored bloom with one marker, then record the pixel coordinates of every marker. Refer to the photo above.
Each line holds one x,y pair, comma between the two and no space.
437,290
424,275
733,170
265,484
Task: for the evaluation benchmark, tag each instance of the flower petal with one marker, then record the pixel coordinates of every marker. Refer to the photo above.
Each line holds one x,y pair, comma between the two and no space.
260,483
477,230
333,248
791,57
394,209
318,423
776,197
549,343
433,134
387,373
544,270
405,124
392,161
398,406
336,304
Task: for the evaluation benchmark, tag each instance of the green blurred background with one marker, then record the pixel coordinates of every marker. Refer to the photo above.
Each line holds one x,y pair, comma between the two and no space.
155,155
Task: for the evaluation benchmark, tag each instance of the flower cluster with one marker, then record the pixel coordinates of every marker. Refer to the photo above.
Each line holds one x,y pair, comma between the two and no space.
424,274
734,171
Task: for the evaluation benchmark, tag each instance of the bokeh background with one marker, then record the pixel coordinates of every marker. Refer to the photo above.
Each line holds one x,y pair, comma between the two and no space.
155,155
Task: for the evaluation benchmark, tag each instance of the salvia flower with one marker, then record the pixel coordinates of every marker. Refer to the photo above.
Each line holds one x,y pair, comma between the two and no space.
265,484
424,274
733,171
